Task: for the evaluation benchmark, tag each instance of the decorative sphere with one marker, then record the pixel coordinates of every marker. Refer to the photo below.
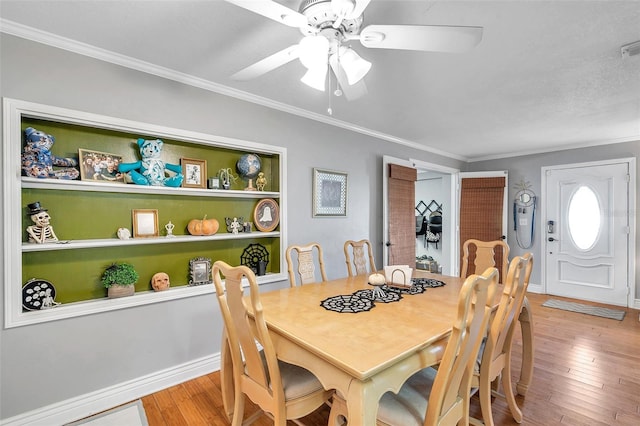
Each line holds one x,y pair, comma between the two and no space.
248,166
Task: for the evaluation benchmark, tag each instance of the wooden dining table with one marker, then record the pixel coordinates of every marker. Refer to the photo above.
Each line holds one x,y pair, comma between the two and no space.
365,354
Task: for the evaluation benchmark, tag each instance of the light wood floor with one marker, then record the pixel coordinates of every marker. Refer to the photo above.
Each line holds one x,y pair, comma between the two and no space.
587,372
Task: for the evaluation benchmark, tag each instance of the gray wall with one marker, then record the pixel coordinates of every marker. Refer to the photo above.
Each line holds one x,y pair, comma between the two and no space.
47,363
528,168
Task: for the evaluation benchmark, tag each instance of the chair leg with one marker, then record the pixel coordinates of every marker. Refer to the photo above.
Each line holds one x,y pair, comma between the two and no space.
338,414
484,394
238,409
507,388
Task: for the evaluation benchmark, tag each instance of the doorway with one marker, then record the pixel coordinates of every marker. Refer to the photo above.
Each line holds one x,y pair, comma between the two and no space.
588,227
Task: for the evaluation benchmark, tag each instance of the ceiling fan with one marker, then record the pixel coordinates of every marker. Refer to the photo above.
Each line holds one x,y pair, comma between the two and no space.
327,25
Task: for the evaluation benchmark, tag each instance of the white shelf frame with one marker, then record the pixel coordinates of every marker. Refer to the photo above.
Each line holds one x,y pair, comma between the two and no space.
12,183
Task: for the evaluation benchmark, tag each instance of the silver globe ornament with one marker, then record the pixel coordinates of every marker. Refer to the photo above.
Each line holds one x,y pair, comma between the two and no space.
248,167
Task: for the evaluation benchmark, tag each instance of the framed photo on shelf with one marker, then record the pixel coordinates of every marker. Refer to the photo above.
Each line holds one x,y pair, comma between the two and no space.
145,223
266,215
195,173
329,193
200,271
99,166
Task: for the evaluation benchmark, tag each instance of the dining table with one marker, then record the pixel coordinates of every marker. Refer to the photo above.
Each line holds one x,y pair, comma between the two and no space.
360,347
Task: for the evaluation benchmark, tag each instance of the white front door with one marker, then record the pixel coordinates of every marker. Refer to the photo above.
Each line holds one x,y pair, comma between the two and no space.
586,230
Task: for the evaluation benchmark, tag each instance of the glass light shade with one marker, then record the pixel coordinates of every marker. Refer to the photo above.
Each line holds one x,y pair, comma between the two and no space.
316,78
314,51
353,65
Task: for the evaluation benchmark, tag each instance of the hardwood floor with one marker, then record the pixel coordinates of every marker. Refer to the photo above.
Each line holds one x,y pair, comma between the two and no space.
586,372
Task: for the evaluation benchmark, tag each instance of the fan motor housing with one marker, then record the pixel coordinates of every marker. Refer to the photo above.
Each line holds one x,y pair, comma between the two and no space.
321,17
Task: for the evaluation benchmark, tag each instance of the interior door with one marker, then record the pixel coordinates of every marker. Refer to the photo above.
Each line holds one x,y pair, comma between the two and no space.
587,226
399,216
483,208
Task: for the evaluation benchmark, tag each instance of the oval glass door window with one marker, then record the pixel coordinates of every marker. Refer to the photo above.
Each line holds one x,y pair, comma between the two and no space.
584,218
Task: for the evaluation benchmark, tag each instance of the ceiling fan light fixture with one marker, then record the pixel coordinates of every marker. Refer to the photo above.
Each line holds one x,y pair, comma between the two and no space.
314,51
315,78
353,65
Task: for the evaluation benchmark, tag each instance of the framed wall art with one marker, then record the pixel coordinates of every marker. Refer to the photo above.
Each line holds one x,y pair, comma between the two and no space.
99,166
195,173
200,271
145,223
329,193
266,215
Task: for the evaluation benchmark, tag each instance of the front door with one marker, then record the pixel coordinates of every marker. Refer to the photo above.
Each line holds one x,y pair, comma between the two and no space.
587,232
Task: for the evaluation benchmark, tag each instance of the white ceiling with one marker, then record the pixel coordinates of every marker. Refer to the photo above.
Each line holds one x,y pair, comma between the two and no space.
546,75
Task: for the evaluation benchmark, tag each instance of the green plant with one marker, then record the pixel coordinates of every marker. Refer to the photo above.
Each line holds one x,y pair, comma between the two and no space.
119,274
227,177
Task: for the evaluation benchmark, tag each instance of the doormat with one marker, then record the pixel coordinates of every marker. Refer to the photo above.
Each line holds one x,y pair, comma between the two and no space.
585,309
131,414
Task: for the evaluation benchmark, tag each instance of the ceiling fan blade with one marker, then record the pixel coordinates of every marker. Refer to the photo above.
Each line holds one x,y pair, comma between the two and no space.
351,91
430,38
273,10
268,64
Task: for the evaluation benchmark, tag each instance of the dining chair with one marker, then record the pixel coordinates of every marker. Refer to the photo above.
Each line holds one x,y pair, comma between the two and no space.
359,261
283,391
440,397
494,357
306,263
480,255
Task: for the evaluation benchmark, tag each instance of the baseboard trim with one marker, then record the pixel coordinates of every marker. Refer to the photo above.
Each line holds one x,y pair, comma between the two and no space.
86,405
535,288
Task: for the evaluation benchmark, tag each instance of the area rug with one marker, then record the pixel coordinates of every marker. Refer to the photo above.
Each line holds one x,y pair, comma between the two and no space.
131,414
585,309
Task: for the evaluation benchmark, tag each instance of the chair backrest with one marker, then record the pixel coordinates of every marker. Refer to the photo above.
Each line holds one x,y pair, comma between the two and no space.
360,257
449,399
306,265
503,322
480,255
242,338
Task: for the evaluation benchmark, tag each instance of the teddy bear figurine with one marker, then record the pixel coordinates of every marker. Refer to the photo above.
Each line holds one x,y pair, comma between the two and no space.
151,170
38,160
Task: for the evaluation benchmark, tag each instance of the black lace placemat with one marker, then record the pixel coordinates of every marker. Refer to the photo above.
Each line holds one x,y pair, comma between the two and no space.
364,300
347,303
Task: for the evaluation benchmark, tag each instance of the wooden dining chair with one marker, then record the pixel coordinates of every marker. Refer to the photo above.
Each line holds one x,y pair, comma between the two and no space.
440,397
306,264
360,257
480,255
494,358
283,391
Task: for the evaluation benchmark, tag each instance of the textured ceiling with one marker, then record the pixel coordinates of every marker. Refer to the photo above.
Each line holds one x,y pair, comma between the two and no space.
546,75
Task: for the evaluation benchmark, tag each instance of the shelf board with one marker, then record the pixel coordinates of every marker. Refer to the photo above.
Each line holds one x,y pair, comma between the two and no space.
114,242
77,185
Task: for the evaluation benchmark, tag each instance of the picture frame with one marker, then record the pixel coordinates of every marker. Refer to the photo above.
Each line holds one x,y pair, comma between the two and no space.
97,166
145,223
266,215
195,173
329,193
200,271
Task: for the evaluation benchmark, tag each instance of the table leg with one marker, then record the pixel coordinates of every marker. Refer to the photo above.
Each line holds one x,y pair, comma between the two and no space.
526,325
226,377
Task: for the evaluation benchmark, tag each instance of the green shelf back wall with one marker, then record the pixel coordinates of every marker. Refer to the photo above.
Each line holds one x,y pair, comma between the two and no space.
77,215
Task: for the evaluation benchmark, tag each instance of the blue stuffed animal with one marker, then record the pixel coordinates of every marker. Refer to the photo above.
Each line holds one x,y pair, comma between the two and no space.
151,170
38,160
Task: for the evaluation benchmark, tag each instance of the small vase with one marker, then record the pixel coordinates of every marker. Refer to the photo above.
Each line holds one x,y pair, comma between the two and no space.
116,291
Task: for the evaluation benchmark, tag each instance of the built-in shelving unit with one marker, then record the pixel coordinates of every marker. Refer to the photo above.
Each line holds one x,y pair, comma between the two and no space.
86,242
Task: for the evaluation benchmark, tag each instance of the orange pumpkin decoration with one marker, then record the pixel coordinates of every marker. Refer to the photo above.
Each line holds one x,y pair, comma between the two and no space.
203,226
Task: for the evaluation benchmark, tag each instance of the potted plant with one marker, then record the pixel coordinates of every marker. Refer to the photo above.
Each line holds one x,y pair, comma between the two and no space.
226,177
119,280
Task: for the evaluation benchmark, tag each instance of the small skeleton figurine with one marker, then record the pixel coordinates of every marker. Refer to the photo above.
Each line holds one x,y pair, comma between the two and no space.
234,226
42,231
261,181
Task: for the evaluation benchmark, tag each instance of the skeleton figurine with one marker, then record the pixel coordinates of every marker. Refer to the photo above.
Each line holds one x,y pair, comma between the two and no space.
42,231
